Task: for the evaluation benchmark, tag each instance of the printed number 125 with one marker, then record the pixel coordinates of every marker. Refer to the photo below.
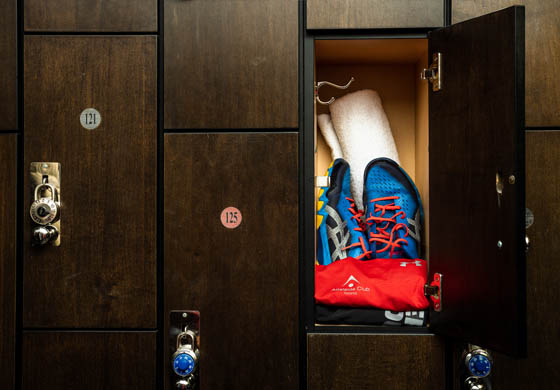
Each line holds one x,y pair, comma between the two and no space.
231,217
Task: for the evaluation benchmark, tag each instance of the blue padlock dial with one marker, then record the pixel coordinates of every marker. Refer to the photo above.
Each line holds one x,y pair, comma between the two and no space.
480,366
183,364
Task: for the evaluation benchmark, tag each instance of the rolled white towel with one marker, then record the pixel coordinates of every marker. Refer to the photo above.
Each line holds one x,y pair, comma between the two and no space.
364,133
327,129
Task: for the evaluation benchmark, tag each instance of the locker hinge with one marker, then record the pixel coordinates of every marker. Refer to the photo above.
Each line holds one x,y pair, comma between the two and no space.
434,291
433,73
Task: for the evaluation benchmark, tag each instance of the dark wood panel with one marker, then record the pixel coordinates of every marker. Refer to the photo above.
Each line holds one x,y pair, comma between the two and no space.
231,64
104,272
477,240
542,60
94,360
8,161
325,14
8,65
87,15
244,281
360,362
540,369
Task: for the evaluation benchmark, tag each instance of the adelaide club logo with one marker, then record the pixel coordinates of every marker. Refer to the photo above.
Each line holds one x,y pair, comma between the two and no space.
350,281
351,287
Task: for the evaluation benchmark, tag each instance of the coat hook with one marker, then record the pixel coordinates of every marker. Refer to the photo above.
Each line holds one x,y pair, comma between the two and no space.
321,83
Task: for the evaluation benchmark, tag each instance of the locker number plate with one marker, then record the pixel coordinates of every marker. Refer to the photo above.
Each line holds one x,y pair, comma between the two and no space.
90,118
231,217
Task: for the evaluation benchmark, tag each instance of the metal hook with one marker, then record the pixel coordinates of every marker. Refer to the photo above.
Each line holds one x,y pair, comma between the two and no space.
321,83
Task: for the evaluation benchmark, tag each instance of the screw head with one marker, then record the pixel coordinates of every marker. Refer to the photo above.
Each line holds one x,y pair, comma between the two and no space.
185,315
511,179
500,244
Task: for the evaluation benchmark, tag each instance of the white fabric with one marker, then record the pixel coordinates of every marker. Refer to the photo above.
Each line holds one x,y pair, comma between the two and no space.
327,129
364,134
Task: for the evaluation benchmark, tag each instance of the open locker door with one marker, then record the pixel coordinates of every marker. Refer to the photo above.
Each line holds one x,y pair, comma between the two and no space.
477,181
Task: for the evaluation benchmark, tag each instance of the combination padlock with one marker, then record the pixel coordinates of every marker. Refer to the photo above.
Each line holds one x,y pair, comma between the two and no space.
43,210
185,358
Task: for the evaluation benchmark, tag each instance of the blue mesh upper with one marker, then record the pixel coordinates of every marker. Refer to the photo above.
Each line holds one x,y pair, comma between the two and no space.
383,177
340,224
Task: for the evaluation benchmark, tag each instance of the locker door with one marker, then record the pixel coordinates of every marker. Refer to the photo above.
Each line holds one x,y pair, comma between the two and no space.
477,181
103,275
327,14
88,15
369,361
243,279
89,361
8,160
231,64
8,65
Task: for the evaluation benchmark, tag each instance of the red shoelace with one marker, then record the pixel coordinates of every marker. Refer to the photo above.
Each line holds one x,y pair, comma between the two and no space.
382,234
357,216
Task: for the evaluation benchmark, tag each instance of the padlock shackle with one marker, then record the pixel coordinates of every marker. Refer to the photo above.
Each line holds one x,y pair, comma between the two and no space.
50,186
187,334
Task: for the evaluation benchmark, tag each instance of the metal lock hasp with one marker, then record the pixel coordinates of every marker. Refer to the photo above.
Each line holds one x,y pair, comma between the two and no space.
185,358
44,210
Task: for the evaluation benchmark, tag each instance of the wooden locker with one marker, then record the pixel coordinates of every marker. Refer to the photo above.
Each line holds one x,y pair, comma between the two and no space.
457,144
8,65
357,361
89,360
88,15
8,181
542,60
231,64
103,275
243,280
339,14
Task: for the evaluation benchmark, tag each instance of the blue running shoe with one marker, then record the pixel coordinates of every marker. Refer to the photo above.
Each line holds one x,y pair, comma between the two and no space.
393,211
340,229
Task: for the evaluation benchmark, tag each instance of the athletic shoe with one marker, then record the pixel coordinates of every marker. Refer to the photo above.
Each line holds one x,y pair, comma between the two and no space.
340,229
393,211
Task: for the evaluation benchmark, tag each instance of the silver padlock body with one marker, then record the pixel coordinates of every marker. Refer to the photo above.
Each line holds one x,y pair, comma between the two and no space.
44,211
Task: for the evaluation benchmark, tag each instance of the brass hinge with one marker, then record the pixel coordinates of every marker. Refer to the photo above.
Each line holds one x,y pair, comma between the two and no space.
433,73
434,291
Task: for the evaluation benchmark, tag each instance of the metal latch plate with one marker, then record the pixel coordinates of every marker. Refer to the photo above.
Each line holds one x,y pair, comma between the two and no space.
434,72
434,291
47,172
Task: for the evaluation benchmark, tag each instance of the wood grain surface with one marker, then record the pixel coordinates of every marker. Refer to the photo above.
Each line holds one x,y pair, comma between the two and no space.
87,15
368,362
244,281
542,59
540,369
8,161
477,131
89,361
8,65
104,272
231,64
339,14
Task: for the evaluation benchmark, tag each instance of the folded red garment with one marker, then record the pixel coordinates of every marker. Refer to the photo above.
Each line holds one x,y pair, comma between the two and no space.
390,284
